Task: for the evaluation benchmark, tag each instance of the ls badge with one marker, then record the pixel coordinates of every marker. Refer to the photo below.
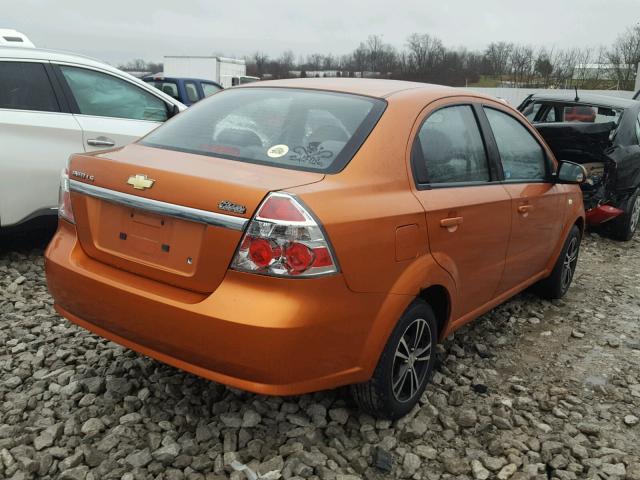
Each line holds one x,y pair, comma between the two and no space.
140,182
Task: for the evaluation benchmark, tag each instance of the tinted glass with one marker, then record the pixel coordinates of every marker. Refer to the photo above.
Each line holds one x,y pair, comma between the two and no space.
289,128
192,92
522,156
26,86
170,88
531,110
210,89
452,148
104,95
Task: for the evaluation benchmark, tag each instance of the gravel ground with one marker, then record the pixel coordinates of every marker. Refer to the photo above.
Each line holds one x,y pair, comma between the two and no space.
531,390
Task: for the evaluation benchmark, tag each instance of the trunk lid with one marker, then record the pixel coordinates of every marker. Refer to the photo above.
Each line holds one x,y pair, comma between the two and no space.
147,232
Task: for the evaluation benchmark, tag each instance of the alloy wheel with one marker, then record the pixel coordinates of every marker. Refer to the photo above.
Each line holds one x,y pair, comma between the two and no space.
569,263
411,360
635,215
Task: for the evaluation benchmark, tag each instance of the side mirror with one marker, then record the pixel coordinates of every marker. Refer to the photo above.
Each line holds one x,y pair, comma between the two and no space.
172,111
570,172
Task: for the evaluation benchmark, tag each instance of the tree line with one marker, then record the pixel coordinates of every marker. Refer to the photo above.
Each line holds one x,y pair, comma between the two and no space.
425,58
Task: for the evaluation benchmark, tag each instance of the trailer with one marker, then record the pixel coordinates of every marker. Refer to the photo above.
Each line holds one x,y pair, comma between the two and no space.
225,71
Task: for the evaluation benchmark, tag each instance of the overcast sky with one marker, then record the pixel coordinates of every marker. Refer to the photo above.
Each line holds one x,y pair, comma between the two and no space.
121,30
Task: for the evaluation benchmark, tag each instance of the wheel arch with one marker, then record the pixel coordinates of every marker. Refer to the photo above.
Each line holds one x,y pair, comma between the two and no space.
439,299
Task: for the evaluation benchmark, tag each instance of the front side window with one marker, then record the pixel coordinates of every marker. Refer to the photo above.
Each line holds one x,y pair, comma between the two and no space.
209,89
284,127
522,156
103,95
192,91
26,86
451,148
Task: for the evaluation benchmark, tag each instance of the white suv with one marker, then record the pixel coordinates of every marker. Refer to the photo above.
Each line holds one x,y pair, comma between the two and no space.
53,104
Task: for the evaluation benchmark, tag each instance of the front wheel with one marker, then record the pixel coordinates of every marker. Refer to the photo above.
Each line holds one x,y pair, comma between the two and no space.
557,284
404,368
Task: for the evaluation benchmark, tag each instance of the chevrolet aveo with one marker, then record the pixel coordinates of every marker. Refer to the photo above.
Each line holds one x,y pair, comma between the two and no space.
293,236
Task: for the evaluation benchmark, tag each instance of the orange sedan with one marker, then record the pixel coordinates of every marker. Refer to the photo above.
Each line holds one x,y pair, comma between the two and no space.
293,236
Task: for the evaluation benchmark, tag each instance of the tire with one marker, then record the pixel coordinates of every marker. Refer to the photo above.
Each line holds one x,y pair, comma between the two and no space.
404,368
625,226
556,285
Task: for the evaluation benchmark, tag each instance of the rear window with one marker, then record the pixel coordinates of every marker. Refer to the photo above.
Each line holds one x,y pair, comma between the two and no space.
289,128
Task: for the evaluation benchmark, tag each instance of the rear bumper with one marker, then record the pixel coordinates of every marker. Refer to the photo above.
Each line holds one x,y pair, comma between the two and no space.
261,334
602,213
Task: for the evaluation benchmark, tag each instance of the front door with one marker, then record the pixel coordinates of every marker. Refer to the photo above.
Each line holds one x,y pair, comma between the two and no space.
468,211
536,199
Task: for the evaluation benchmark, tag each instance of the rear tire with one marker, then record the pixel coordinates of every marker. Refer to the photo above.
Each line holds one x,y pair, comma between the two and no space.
556,285
624,227
404,368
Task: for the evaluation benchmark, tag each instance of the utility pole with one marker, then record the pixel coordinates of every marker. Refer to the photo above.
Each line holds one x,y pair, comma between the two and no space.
637,79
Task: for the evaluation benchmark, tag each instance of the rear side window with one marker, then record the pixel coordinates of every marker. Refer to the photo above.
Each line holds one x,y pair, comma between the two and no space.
192,91
104,95
26,86
283,127
450,147
209,89
521,155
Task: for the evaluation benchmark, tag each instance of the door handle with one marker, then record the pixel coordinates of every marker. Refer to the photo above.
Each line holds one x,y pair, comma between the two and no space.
451,222
101,142
525,209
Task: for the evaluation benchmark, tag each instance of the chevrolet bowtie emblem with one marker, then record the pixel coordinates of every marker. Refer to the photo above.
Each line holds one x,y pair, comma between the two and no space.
140,182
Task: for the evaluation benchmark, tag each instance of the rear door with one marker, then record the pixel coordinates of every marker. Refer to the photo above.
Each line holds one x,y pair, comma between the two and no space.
468,211
111,111
37,135
536,203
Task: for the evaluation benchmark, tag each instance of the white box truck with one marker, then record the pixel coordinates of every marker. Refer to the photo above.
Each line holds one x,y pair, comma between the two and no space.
225,71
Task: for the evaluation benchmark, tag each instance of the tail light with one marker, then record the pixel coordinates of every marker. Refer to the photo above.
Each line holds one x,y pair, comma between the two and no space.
64,209
284,239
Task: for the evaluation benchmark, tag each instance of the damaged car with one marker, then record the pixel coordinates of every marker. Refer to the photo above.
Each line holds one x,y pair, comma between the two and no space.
602,133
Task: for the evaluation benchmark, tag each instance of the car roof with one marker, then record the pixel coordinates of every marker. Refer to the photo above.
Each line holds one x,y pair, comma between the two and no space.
586,98
42,54
372,87
54,56
160,78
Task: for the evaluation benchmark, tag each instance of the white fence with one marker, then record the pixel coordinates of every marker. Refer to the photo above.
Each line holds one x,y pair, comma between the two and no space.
515,96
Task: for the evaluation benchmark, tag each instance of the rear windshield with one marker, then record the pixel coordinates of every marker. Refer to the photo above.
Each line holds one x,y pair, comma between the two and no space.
555,112
289,128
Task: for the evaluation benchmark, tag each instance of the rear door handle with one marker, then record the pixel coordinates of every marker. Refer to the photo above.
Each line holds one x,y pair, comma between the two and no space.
451,222
101,142
525,208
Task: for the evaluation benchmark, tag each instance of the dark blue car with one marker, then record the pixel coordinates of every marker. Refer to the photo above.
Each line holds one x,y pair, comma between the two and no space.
186,90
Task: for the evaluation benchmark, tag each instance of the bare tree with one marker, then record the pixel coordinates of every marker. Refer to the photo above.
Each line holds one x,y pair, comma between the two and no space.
498,55
260,59
625,56
424,52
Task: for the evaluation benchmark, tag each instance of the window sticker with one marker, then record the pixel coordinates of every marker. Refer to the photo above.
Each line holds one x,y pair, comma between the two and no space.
278,151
